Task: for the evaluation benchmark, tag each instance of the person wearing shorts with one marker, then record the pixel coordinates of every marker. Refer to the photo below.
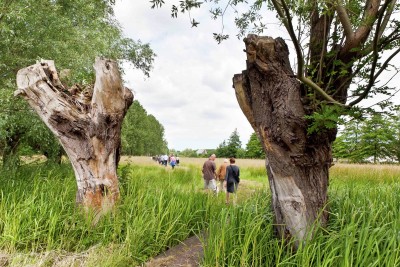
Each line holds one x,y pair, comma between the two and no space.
209,174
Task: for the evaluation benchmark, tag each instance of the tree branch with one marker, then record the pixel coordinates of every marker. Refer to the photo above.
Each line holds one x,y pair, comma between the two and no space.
386,63
318,89
390,8
345,21
392,36
372,77
284,13
362,32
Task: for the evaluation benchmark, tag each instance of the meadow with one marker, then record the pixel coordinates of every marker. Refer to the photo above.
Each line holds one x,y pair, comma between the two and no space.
40,225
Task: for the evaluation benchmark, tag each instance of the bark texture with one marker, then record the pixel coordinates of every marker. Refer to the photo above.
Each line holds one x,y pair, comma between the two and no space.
297,164
87,122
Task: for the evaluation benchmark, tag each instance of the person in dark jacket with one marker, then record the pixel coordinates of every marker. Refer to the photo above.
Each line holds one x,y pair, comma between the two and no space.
232,178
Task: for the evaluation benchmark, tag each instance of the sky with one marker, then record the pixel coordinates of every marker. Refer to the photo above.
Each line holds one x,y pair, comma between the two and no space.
190,87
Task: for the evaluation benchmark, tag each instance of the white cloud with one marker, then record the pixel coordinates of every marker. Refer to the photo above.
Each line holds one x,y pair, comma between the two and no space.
190,89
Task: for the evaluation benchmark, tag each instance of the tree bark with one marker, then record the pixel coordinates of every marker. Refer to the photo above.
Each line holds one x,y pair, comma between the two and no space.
297,164
87,123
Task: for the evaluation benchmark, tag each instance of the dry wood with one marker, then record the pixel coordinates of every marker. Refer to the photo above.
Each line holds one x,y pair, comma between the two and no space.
87,124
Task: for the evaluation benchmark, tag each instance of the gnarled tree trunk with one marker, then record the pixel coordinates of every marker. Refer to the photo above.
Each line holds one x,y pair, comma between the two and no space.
86,122
297,163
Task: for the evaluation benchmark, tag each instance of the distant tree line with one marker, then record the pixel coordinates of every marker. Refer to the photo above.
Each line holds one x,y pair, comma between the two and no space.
232,147
142,133
375,138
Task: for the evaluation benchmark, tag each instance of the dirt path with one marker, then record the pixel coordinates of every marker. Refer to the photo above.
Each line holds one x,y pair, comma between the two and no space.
190,252
187,254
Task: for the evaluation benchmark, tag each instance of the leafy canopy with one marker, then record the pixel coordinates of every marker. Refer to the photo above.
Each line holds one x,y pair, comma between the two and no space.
72,33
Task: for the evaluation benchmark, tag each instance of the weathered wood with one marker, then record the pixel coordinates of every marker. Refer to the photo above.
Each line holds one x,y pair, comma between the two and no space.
87,124
297,163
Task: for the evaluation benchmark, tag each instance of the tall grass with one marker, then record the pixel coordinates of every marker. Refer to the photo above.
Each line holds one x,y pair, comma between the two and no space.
364,227
160,207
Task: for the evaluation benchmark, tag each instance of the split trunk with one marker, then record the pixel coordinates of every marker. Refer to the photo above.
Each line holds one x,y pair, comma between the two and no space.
87,122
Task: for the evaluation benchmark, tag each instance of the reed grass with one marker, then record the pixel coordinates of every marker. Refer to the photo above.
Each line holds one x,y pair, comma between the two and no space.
364,226
160,207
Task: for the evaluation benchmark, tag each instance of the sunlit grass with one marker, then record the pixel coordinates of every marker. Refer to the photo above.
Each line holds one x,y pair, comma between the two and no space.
363,229
160,207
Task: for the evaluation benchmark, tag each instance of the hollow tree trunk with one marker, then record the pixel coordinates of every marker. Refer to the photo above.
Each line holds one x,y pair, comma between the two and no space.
87,124
297,164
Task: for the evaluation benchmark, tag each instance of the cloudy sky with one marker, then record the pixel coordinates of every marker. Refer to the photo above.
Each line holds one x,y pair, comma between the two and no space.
190,87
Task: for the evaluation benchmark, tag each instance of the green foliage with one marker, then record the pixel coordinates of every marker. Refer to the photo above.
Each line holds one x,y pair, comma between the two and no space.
40,140
375,138
395,141
142,134
327,117
72,33
188,152
231,147
254,149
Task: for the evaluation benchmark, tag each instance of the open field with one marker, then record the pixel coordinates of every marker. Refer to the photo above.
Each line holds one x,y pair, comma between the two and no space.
160,207
194,161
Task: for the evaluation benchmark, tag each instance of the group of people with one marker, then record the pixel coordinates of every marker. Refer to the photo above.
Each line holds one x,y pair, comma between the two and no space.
226,178
165,160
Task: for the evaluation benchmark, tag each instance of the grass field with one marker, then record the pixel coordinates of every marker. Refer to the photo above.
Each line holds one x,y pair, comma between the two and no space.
41,226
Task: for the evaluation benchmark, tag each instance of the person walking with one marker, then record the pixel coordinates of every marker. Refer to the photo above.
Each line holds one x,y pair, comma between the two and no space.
232,179
164,160
209,174
221,172
172,161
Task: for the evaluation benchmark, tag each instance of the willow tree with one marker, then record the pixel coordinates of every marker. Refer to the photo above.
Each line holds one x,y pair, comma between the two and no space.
86,122
295,111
